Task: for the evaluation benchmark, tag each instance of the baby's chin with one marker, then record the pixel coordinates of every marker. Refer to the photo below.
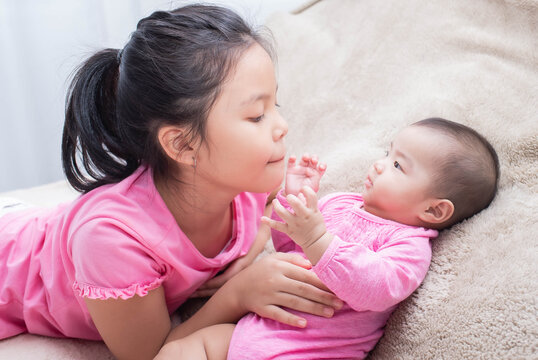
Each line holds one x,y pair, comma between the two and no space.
383,213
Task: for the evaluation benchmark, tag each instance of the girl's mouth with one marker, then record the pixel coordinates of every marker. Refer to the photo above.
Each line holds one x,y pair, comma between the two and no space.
275,161
279,159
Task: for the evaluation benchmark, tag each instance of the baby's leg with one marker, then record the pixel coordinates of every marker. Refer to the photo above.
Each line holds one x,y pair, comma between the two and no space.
210,343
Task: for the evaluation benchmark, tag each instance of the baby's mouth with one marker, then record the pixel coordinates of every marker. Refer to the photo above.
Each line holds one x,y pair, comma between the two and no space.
368,182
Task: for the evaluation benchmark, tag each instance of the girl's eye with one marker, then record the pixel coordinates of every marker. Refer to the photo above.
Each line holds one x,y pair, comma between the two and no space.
277,104
257,119
397,165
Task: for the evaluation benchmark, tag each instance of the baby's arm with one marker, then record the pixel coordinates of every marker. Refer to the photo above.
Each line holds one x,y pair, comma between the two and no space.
375,280
305,225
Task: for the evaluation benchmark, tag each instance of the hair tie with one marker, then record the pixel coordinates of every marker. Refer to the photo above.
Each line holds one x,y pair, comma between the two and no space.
118,56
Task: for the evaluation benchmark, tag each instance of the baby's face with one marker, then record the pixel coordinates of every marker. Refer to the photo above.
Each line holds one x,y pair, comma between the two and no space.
399,185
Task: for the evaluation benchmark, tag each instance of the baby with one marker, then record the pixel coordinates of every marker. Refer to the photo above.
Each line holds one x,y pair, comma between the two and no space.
373,249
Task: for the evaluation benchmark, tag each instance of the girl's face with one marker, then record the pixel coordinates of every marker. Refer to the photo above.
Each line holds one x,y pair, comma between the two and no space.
245,133
399,186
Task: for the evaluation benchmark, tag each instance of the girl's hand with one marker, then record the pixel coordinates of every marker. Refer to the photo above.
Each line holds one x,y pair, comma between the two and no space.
305,225
282,280
307,172
212,285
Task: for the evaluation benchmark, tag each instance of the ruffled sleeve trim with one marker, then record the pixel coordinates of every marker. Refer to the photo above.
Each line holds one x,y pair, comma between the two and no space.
101,293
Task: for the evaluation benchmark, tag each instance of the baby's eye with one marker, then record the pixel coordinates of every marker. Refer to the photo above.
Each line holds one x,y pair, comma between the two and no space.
277,104
257,119
386,153
397,165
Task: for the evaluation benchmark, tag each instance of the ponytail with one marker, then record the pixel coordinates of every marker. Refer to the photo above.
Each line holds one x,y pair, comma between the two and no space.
92,150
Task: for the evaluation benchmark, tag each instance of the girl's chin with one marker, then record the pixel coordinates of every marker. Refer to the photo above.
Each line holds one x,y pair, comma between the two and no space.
268,183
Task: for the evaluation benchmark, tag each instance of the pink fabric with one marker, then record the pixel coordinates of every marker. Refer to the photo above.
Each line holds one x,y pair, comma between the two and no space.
372,264
114,242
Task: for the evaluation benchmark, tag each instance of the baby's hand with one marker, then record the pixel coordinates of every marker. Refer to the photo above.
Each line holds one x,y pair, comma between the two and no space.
307,172
305,225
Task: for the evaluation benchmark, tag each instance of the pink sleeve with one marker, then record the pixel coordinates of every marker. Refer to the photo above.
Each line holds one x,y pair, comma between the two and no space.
368,280
111,262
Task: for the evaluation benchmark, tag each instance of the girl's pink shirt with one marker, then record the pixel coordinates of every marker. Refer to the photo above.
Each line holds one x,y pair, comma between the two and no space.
114,242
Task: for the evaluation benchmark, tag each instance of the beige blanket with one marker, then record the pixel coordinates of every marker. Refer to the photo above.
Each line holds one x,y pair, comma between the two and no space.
353,72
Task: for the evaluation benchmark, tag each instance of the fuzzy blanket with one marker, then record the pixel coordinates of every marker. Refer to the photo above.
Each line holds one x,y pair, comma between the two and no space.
354,72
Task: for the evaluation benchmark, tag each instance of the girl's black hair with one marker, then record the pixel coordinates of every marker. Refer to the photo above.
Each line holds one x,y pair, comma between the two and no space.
169,73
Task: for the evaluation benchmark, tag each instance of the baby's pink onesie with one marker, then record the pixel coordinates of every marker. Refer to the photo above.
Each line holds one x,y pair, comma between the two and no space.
372,264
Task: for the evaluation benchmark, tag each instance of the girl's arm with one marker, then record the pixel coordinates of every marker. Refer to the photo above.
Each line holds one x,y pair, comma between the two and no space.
275,281
136,328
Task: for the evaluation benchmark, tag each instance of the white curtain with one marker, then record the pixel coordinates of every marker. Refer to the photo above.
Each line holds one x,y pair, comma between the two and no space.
41,43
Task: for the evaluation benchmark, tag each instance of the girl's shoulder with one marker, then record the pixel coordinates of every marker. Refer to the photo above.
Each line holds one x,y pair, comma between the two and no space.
134,204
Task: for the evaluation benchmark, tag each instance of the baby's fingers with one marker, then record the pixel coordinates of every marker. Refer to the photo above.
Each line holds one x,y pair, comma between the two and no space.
305,159
310,196
291,161
321,168
277,225
284,213
298,205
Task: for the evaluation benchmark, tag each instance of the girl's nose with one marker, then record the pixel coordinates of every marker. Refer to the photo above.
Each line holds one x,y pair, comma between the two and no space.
281,128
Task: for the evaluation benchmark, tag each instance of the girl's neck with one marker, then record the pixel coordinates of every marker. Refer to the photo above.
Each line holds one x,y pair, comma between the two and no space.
203,213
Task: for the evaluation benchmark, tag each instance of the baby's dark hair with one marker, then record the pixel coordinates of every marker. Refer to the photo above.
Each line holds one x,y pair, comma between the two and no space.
469,175
169,73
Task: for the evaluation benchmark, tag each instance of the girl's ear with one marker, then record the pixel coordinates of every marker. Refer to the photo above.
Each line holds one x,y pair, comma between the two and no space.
437,211
174,144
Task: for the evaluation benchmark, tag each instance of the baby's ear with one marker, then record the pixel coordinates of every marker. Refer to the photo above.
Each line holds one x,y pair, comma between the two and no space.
173,142
437,211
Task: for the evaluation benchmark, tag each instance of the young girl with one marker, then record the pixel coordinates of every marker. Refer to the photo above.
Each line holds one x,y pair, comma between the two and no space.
371,250
175,142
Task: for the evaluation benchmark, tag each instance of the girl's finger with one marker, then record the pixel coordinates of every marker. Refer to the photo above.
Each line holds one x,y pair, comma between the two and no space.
301,304
285,317
294,259
216,282
313,291
203,293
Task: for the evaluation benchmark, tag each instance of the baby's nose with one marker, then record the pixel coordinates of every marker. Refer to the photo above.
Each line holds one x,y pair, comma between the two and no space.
378,166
